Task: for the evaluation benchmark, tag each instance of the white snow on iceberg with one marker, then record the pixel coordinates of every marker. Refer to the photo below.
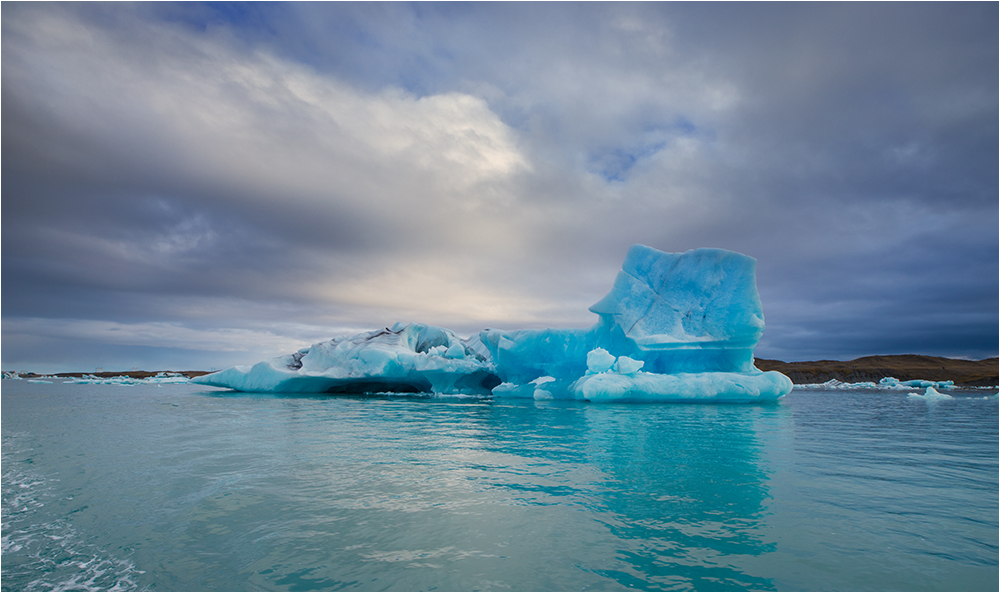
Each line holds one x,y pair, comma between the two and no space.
675,327
408,358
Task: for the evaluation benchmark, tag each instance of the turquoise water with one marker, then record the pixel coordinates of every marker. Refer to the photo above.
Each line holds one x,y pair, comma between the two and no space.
178,487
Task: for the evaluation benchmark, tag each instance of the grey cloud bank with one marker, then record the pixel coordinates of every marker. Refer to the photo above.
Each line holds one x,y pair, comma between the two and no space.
206,185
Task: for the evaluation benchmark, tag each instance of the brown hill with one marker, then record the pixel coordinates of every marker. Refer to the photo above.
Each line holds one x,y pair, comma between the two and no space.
967,373
132,374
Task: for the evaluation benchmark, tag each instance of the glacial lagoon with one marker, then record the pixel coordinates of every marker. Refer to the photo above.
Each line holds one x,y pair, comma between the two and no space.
187,487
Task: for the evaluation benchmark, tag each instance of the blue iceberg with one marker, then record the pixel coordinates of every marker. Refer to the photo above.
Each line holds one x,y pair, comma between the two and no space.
676,327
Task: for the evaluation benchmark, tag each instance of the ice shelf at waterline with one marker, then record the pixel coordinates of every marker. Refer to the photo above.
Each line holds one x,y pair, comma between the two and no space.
675,327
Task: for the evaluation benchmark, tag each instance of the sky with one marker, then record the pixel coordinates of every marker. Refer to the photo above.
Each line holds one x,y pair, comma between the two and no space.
194,186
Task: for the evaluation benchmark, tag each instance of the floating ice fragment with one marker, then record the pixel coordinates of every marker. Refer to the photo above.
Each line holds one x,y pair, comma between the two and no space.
923,383
884,383
125,380
929,394
835,384
675,327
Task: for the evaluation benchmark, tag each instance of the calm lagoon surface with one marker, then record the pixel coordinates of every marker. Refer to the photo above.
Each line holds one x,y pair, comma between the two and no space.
183,487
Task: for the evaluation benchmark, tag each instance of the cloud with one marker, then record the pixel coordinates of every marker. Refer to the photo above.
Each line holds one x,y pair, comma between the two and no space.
161,335
345,166
190,105
231,148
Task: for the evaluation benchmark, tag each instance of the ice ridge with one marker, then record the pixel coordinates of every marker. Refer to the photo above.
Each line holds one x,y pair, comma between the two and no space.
675,327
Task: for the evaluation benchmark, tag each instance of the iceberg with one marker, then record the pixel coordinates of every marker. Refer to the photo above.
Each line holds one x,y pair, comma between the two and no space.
930,394
406,358
924,383
675,327
884,383
165,377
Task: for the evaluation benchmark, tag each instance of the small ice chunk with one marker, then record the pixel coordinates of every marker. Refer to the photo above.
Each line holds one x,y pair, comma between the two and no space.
456,350
599,360
628,366
929,394
514,390
542,388
545,393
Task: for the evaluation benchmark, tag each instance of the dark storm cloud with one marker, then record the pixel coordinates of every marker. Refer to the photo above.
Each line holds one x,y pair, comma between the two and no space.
175,172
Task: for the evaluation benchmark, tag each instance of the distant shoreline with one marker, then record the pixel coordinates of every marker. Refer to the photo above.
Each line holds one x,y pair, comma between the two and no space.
110,374
905,367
